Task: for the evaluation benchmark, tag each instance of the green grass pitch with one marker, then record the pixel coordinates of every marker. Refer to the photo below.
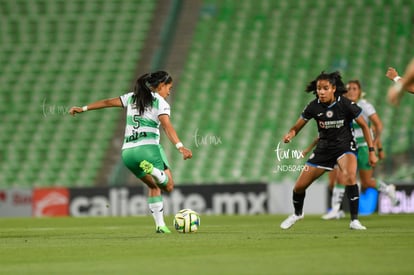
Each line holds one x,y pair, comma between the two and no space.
223,245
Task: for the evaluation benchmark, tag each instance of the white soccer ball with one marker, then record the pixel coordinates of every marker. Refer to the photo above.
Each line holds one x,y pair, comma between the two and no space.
186,221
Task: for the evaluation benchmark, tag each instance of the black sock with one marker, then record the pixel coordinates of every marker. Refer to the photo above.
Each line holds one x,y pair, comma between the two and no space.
352,192
298,202
330,193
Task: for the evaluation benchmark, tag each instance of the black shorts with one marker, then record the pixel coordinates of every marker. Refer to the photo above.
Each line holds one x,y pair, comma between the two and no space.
327,158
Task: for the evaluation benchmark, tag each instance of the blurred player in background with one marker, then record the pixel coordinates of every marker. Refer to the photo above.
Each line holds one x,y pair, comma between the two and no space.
336,145
405,83
365,171
146,108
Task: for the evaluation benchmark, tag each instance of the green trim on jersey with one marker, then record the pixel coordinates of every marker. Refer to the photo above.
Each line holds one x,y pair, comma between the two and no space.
156,103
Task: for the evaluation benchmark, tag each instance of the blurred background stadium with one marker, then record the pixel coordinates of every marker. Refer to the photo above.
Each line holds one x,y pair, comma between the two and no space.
239,66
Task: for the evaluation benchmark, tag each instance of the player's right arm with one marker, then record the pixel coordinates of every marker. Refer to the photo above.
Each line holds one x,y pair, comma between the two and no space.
104,103
294,130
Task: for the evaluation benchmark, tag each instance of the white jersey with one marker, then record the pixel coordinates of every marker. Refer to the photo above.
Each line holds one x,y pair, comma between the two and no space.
143,129
367,111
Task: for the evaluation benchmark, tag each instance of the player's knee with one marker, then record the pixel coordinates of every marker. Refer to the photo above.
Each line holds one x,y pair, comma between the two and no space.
149,181
152,186
299,189
170,185
349,178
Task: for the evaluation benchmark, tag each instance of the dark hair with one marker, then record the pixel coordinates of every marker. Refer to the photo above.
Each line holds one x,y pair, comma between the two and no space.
334,78
145,85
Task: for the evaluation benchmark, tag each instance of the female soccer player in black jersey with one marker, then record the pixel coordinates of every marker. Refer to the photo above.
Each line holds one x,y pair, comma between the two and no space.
336,146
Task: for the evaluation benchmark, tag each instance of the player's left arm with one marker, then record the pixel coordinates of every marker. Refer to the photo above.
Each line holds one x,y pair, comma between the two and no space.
100,104
377,128
294,130
367,135
380,150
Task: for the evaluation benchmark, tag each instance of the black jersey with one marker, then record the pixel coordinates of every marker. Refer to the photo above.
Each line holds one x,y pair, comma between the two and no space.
334,121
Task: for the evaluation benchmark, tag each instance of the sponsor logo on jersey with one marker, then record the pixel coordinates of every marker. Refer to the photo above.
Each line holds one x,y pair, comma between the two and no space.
331,124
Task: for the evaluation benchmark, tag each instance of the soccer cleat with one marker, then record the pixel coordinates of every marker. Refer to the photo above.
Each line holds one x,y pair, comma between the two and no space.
356,225
392,195
146,166
291,220
334,214
162,229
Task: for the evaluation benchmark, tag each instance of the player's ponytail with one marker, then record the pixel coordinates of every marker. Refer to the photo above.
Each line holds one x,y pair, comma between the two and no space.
311,87
142,94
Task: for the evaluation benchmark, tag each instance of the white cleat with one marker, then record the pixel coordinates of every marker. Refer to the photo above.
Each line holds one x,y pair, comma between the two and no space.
356,225
392,195
334,214
291,220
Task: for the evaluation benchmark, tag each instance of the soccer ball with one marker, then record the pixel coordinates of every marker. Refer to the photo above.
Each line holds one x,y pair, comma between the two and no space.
186,221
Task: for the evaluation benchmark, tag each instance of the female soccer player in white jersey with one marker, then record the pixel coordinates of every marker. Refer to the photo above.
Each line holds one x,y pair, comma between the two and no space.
365,171
336,145
146,108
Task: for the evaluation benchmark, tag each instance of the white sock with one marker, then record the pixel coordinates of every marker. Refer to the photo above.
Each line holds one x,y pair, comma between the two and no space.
159,176
337,196
156,207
